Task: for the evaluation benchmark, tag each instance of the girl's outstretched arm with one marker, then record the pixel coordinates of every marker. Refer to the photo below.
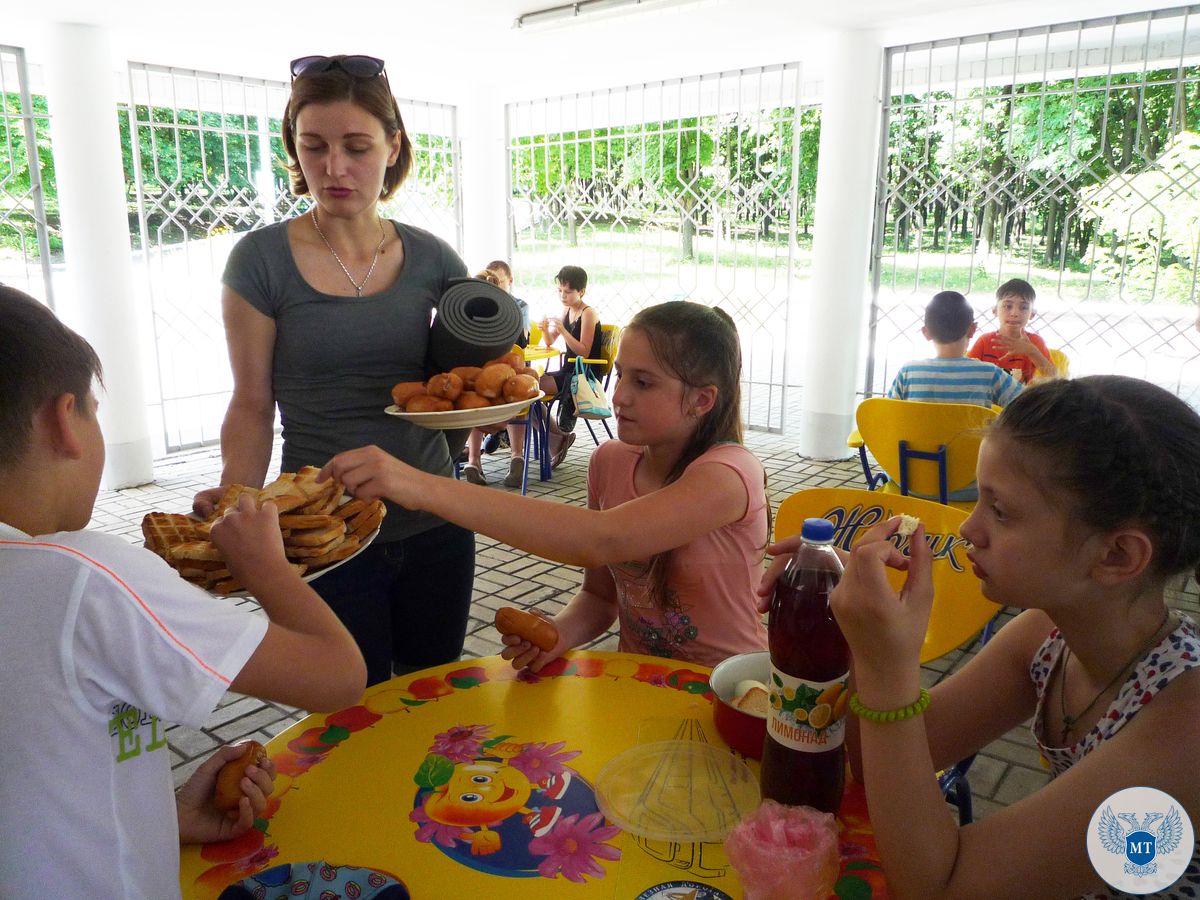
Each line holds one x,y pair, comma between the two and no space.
702,500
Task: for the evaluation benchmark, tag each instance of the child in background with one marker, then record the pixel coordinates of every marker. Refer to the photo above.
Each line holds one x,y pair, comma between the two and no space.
950,377
1012,347
579,328
677,519
1088,509
102,643
499,274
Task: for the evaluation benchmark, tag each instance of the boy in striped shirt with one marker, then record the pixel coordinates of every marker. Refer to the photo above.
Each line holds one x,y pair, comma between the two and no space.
950,376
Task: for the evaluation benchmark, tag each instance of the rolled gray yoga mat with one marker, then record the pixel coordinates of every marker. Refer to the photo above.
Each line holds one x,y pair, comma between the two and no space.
476,321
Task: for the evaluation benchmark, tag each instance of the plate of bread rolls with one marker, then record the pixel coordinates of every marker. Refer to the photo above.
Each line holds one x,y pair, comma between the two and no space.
468,396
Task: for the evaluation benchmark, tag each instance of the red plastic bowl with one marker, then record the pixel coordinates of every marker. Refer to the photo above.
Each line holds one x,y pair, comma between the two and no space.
742,731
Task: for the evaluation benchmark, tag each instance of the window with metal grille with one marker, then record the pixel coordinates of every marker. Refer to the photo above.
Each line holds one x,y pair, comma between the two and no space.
210,164
1068,156
698,188
30,239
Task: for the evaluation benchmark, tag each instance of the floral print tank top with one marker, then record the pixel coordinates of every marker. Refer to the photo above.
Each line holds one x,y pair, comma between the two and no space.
1175,654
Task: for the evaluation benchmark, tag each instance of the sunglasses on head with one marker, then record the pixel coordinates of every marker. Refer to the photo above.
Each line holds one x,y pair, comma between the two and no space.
356,65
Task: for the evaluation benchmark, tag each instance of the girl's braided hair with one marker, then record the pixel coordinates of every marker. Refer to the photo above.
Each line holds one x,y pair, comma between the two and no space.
1124,451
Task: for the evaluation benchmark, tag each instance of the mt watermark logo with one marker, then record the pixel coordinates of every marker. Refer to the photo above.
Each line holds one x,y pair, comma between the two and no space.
1140,840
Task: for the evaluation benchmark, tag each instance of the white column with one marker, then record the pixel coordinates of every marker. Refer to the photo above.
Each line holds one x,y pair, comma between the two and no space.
484,176
96,297
833,336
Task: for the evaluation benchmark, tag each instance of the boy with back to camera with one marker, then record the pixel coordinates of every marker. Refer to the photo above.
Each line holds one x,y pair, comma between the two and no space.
1012,347
101,643
950,377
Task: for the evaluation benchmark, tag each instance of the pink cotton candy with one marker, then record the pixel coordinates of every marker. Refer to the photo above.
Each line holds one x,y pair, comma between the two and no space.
785,852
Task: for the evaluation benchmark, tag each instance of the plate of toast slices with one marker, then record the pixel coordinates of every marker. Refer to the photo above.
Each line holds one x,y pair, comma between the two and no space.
322,528
464,418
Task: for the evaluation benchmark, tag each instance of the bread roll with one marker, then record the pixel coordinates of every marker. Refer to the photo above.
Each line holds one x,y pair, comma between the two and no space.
520,387
229,778
468,374
538,631
447,385
428,403
490,382
471,400
514,359
406,390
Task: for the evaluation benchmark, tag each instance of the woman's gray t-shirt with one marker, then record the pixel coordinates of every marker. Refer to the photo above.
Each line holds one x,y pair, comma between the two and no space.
337,358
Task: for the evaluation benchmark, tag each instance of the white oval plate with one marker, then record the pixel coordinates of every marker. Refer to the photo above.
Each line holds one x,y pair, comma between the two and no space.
463,418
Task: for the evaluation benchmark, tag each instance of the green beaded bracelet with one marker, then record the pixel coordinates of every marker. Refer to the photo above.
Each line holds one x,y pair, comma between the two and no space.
889,715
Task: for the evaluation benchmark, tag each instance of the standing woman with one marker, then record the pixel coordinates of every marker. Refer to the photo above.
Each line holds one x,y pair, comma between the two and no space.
324,313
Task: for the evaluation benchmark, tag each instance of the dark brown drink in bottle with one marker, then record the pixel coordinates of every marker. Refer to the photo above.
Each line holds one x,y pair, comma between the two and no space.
804,754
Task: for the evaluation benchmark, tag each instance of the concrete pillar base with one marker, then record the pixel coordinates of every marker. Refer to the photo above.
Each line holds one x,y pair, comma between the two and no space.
127,465
823,435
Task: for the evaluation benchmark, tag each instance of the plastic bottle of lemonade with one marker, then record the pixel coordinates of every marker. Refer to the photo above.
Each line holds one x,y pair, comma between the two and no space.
803,762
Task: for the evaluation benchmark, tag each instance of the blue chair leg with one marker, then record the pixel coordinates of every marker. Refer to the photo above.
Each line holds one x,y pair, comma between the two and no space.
873,480
957,789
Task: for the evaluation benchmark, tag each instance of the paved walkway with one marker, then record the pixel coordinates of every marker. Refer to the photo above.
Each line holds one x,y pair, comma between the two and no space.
1005,772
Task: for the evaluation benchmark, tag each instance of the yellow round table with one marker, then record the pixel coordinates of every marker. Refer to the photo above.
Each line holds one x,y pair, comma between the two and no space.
474,780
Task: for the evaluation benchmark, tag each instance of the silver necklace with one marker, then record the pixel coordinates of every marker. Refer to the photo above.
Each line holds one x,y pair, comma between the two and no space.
358,285
1069,721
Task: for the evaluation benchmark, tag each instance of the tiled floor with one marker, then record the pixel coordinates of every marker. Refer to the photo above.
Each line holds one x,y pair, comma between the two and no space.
1006,771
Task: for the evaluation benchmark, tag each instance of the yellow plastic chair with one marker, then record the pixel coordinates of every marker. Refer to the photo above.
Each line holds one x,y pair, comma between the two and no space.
924,449
1061,362
960,612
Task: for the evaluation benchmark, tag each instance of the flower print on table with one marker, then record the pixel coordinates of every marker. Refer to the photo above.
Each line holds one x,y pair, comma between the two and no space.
460,743
509,807
573,845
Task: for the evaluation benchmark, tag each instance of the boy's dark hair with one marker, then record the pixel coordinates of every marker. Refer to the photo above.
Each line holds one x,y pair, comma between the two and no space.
372,94
1016,287
1122,452
948,316
573,277
40,358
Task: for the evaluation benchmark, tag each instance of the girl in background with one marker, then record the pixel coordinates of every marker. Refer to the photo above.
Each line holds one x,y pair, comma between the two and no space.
672,540
1089,504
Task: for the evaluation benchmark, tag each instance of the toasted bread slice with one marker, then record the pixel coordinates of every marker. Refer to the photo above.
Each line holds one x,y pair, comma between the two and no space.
303,554
316,537
351,507
195,550
229,499
344,549
284,493
755,701
306,480
367,522
302,521
323,504
165,530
